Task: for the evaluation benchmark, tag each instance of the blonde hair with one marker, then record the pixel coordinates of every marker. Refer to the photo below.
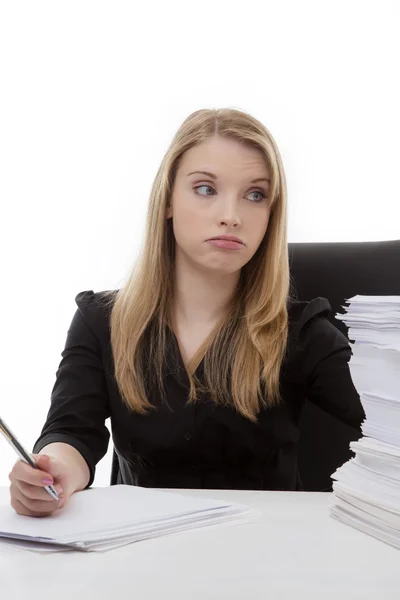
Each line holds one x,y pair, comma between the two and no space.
243,355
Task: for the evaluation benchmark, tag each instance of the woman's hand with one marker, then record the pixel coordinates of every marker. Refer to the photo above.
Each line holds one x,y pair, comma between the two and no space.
28,496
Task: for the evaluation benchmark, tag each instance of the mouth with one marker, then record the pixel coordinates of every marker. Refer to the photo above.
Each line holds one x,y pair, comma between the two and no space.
228,242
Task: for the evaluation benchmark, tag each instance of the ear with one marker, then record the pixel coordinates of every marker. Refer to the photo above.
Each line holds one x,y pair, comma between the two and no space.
169,212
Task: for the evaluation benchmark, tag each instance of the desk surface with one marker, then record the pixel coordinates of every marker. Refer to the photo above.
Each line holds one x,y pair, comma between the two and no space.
294,550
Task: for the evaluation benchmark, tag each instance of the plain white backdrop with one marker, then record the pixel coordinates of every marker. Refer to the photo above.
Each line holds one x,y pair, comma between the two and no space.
91,95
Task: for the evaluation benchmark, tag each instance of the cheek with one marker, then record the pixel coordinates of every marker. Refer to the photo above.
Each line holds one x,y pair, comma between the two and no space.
259,226
184,225
188,219
184,208
187,227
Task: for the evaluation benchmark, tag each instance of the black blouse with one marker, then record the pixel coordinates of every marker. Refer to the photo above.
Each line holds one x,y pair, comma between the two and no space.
202,445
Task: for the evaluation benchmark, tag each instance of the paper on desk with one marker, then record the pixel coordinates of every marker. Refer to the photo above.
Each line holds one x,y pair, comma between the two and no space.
379,457
371,355
374,301
373,487
362,520
373,320
366,490
375,380
387,435
102,518
103,546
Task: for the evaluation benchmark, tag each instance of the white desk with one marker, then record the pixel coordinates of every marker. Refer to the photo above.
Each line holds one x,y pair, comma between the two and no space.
294,551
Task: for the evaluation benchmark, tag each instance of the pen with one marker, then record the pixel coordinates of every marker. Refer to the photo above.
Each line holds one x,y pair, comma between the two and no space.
23,454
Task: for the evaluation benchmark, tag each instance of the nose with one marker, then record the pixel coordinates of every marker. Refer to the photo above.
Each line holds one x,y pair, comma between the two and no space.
229,214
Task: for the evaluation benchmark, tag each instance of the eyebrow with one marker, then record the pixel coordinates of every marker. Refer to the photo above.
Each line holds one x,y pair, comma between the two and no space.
215,177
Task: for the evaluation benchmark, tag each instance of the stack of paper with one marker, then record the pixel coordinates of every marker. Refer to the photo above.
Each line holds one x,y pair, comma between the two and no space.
366,493
104,518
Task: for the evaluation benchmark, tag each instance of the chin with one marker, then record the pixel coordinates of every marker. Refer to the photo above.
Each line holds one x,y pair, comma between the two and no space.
225,269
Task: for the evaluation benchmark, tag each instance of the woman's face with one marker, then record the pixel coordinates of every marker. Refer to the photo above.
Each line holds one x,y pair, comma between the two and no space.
225,202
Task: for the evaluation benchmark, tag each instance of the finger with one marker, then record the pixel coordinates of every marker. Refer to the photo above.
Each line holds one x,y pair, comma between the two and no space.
35,492
43,461
36,507
21,509
25,472
31,503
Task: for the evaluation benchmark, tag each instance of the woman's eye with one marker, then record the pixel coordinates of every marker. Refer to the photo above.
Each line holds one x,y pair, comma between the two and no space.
259,192
204,186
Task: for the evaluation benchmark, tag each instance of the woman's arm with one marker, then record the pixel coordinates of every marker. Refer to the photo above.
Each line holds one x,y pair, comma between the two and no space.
75,425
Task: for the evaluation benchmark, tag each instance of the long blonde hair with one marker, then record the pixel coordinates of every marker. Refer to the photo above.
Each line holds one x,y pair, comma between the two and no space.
243,355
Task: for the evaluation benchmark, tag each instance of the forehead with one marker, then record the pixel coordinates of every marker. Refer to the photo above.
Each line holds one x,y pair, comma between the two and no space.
224,157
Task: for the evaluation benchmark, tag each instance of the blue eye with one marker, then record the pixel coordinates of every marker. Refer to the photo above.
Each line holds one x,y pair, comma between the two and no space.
211,188
261,194
204,186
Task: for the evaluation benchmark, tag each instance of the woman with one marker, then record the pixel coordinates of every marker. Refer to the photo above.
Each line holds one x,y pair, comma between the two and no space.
202,360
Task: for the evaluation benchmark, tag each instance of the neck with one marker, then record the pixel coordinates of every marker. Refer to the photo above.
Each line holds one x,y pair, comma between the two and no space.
202,297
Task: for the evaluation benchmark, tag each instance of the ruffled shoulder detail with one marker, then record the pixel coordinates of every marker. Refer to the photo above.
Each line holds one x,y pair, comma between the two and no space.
84,298
302,311
91,299
95,308
306,319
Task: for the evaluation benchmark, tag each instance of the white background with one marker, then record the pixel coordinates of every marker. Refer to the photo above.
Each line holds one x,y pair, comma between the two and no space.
91,95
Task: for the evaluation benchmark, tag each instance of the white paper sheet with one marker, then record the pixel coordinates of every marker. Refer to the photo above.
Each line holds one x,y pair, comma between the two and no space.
103,518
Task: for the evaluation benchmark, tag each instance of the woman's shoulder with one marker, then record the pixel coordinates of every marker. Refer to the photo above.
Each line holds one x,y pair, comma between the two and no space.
95,308
95,300
312,335
311,320
303,312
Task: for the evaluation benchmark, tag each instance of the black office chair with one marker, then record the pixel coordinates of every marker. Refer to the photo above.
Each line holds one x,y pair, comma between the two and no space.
336,271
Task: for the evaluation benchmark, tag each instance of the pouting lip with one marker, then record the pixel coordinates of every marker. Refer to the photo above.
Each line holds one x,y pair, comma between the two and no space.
228,238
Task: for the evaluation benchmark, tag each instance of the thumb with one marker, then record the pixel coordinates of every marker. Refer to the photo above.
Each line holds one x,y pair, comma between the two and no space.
56,469
43,462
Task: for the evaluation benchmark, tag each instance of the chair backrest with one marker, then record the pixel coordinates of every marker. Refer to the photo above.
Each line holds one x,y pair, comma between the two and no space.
336,271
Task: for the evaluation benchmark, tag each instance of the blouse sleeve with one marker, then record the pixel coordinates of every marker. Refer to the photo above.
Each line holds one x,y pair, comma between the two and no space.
325,353
79,399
